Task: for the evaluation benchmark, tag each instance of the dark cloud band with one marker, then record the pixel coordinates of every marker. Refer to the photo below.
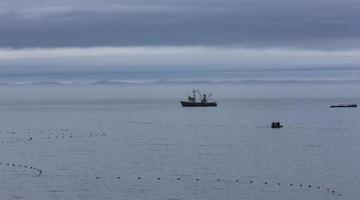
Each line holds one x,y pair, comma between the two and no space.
255,24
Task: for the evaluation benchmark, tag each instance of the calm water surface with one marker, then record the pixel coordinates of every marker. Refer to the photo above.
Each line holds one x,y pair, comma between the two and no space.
154,149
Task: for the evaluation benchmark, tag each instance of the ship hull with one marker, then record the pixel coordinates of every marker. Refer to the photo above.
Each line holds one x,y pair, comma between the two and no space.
197,104
344,106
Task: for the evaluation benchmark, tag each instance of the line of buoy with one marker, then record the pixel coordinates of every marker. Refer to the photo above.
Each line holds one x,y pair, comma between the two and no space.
39,171
16,140
89,135
38,131
58,132
249,181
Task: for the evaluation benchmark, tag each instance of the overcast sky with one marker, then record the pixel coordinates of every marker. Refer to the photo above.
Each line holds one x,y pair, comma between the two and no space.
193,34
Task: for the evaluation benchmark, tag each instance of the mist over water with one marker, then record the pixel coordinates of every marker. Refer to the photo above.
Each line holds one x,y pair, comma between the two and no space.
179,84
183,77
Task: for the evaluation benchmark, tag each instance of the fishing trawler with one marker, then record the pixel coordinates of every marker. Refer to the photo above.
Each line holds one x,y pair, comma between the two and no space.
204,100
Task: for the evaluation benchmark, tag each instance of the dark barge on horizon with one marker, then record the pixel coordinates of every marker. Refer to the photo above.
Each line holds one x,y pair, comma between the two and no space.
204,101
344,106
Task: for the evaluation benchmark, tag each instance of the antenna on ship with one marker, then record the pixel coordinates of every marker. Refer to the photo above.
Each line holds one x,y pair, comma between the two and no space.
194,94
199,93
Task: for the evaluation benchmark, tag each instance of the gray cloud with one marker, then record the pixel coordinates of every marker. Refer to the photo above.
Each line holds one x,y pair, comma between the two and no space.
321,24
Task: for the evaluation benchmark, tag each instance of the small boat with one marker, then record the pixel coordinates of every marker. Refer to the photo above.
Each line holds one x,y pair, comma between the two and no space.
344,106
204,100
276,125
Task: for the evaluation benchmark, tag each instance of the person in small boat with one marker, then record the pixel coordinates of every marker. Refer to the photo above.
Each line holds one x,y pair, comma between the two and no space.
276,125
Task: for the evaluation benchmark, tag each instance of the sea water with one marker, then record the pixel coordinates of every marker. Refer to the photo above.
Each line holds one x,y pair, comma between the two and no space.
123,142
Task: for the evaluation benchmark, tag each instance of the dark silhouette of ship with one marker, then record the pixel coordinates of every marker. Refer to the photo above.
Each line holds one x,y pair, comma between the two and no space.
344,106
204,100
